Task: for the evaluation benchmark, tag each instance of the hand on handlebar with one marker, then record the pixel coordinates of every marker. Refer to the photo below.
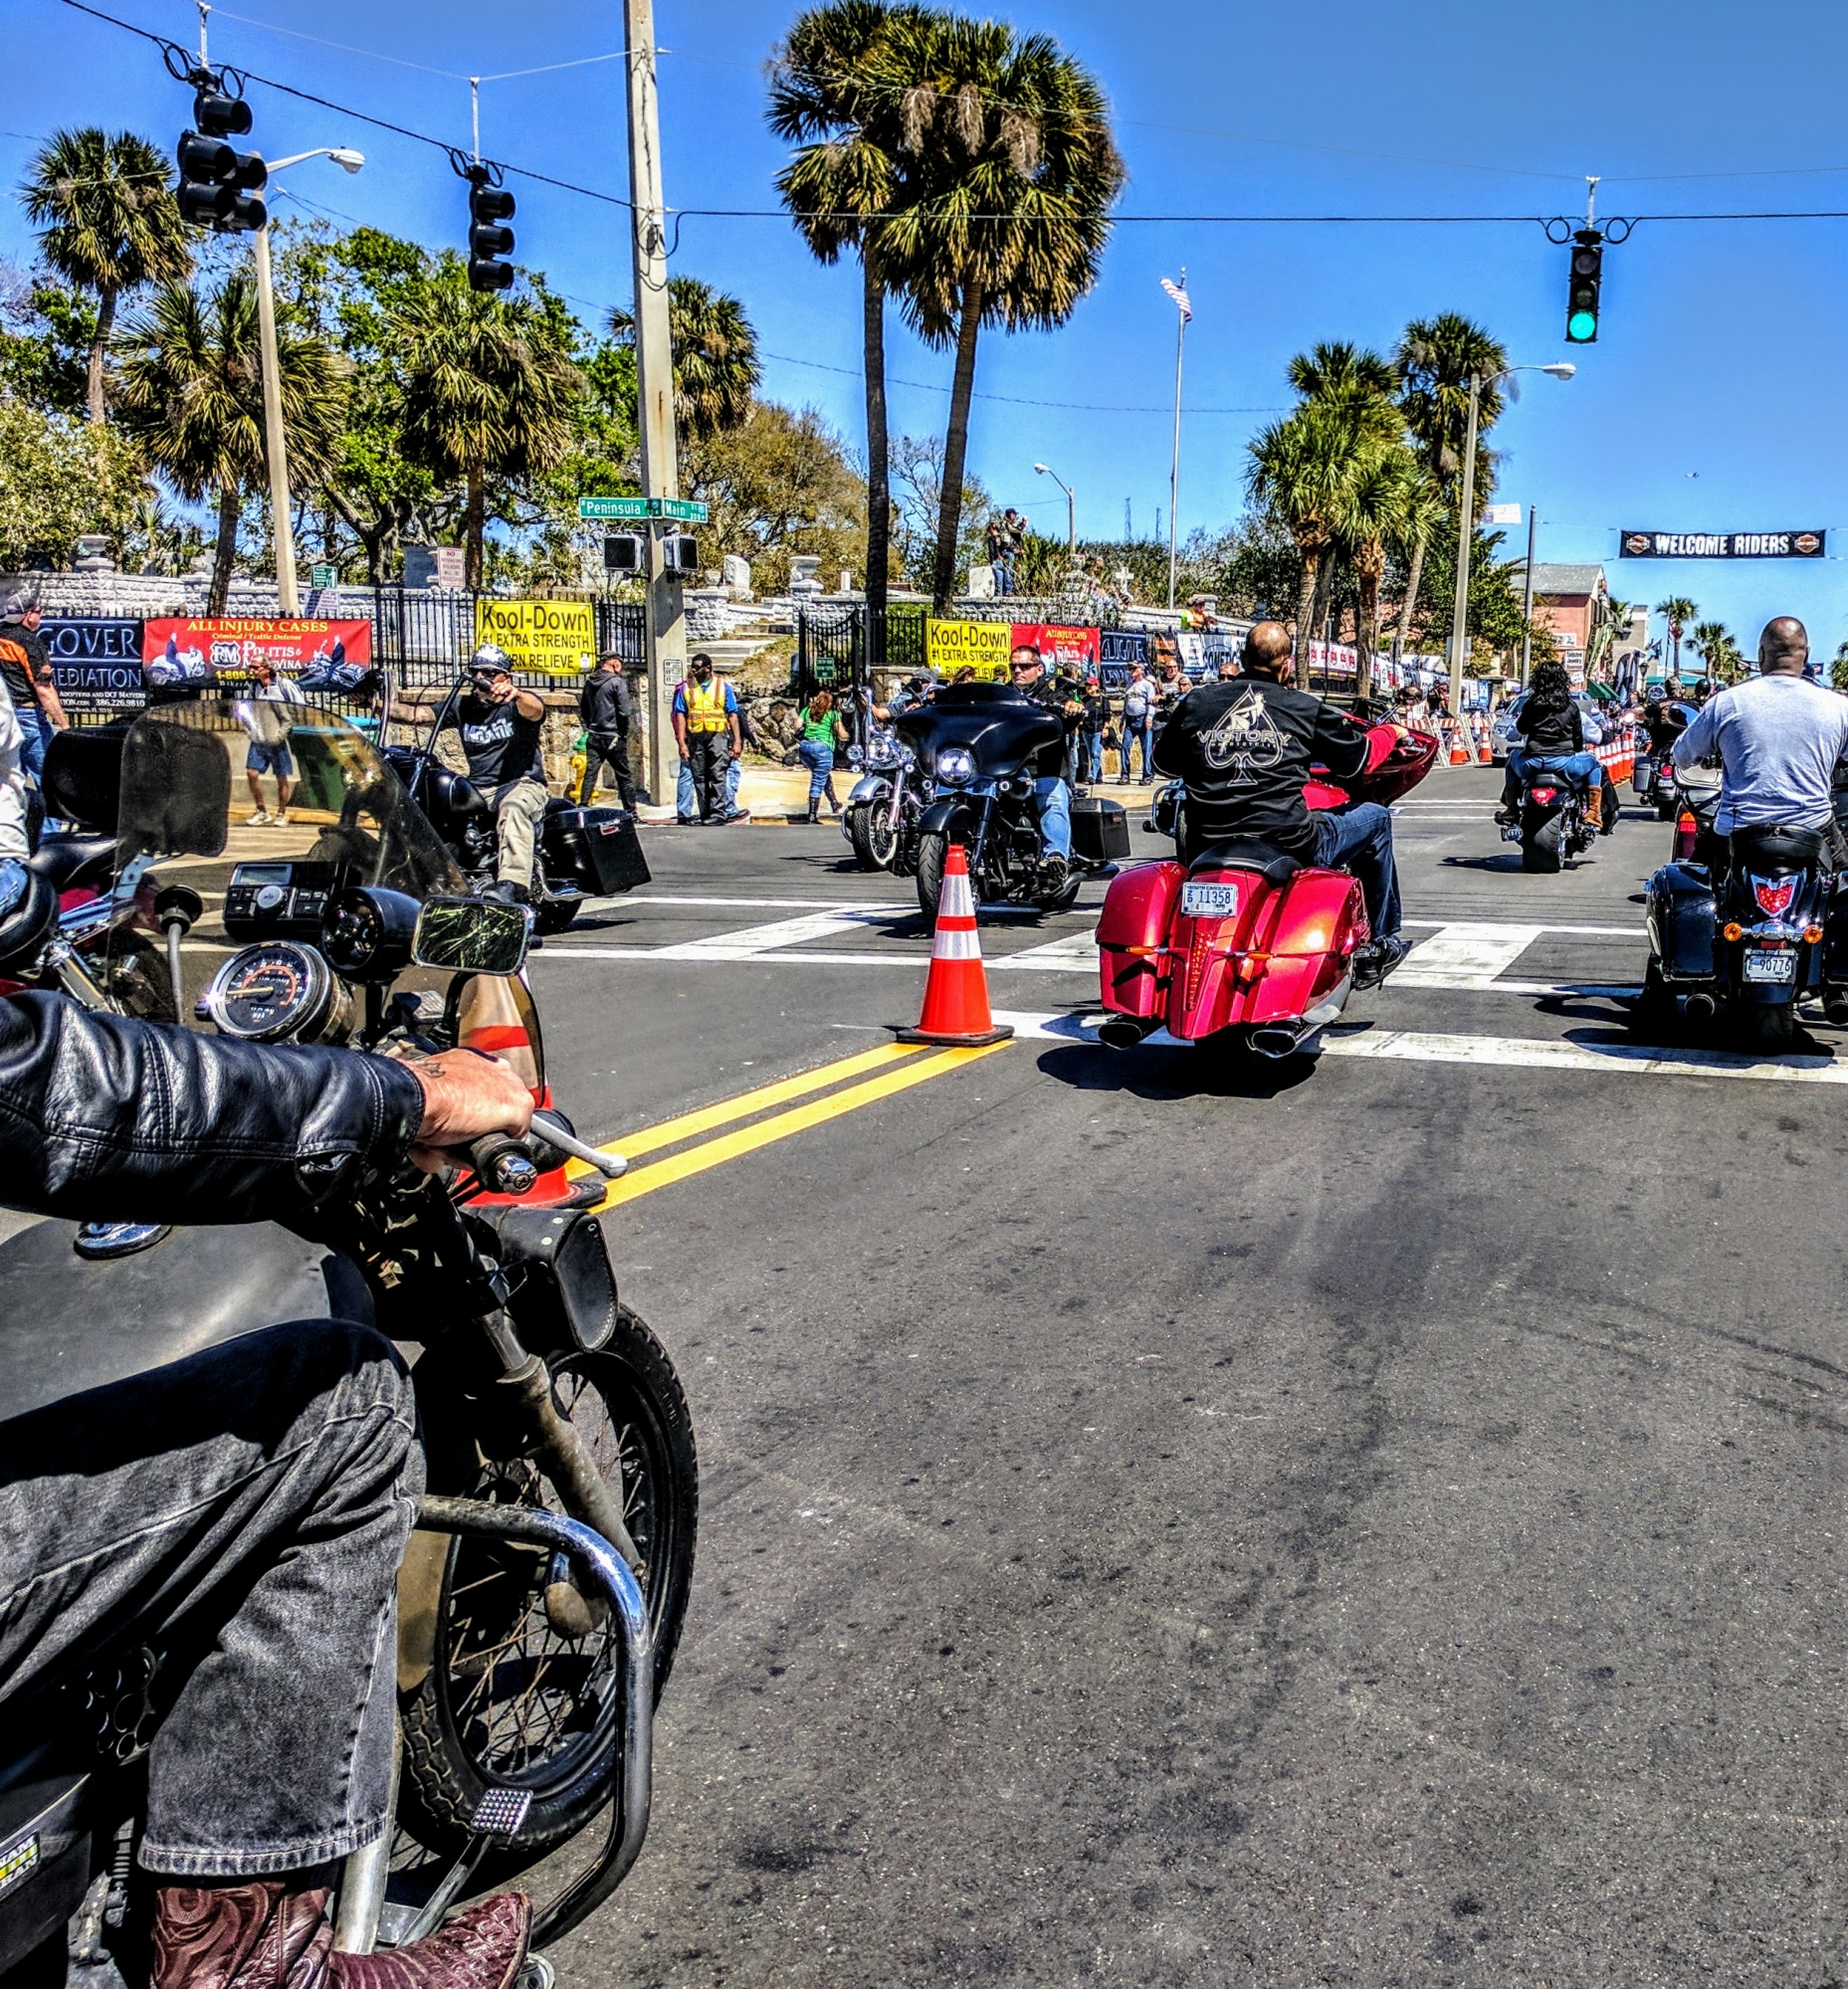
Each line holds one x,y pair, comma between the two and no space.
466,1096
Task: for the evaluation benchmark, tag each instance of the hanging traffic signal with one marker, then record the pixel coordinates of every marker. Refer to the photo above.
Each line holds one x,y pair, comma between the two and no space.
1581,295
490,208
623,553
219,185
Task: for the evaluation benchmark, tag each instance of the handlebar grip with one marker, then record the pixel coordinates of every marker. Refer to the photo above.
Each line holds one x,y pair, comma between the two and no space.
502,1164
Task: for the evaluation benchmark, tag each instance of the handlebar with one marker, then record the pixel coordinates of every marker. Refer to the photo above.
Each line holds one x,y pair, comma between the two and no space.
506,1166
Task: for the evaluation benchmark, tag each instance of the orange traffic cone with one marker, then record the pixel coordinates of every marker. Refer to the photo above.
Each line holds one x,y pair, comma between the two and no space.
1459,754
955,1003
1482,754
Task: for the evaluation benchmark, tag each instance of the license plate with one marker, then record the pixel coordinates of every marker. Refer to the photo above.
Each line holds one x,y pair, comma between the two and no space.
1209,902
1770,967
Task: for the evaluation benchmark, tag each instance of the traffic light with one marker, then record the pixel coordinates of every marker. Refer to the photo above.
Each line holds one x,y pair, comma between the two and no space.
490,207
1581,295
680,554
219,185
623,553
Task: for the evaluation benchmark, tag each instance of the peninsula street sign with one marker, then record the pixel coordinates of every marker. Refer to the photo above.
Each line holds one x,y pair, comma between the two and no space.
684,511
1722,545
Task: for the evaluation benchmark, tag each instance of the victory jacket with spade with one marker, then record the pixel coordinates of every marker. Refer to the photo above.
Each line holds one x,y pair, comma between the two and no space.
1244,747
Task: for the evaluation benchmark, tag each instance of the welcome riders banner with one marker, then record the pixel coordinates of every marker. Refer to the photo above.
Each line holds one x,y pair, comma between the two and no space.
1722,545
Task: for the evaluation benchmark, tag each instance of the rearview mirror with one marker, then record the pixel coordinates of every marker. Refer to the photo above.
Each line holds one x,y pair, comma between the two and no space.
472,935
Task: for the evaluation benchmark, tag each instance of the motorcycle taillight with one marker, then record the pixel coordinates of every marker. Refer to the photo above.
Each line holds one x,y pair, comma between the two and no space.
1773,894
1542,794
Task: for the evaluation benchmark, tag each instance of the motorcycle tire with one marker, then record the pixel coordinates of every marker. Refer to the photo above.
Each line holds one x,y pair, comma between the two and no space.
1667,811
1541,836
933,855
510,1699
1655,1006
1763,1026
860,836
556,915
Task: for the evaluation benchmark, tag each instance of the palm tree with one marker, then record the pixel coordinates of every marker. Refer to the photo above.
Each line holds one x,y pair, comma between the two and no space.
1435,360
1007,141
109,224
1425,512
1389,491
716,370
1838,669
190,395
1679,611
489,390
828,98
1335,370
1713,643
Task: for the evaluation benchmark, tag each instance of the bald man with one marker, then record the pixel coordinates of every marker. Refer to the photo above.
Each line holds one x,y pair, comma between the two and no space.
1778,737
1243,748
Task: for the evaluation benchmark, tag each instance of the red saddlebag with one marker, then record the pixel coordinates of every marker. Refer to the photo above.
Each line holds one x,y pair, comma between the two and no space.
1138,910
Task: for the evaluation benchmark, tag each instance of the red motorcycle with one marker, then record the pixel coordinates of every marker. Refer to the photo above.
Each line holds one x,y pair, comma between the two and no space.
1246,944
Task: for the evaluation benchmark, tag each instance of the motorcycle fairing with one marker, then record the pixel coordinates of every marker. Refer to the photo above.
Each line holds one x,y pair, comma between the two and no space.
1394,766
1132,934
999,726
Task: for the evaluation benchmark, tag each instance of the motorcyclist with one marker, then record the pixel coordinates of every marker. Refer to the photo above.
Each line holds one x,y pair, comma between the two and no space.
499,725
1668,717
1552,740
1052,799
1778,735
1242,747
244,1508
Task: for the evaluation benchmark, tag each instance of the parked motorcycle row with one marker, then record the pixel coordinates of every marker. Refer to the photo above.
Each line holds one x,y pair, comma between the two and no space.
542,1597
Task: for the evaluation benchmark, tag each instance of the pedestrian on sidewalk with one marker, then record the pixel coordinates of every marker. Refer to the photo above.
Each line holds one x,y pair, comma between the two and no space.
608,716
734,774
1137,723
264,714
820,732
26,668
706,728
1090,734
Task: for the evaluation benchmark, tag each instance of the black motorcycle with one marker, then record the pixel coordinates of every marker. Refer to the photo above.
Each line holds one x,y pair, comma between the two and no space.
1552,827
577,855
542,1597
885,812
980,744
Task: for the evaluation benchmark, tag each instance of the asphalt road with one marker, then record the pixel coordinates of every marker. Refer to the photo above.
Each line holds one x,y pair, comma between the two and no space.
1376,1525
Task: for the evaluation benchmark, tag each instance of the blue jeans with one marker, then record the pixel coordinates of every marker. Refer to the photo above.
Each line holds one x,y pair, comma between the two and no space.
1144,731
734,774
819,760
1089,756
686,795
1052,799
1359,840
35,733
1578,766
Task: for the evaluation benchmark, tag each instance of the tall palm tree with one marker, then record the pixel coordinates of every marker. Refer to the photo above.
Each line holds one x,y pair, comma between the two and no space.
835,103
1423,513
489,390
1434,361
1713,643
1335,370
1389,490
190,395
716,370
1009,144
1677,611
109,224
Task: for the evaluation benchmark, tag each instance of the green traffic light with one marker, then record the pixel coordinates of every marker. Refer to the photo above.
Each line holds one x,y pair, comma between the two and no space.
1581,327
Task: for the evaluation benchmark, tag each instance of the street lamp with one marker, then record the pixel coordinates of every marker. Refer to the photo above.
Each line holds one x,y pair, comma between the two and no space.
275,447
1560,369
1071,507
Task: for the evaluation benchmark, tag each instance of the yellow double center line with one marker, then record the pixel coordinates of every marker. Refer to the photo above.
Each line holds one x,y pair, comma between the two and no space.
900,1066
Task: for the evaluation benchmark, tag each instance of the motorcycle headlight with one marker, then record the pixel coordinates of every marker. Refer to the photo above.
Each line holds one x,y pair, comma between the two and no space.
955,766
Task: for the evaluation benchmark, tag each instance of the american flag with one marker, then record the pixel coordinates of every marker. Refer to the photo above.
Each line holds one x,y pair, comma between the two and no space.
1180,297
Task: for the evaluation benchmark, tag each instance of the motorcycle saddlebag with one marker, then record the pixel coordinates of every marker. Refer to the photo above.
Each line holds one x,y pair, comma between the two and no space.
599,846
1099,829
1680,916
1139,911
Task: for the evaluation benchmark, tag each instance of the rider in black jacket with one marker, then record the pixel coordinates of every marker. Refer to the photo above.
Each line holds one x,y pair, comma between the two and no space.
1052,799
248,1505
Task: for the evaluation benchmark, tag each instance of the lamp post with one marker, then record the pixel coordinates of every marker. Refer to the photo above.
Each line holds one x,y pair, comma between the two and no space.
274,445
1071,507
1560,369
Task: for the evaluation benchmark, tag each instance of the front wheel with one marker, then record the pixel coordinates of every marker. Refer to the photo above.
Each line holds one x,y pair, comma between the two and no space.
513,1699
933,855
860,836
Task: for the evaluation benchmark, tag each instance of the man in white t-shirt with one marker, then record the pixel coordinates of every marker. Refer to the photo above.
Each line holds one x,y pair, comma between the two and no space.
264,712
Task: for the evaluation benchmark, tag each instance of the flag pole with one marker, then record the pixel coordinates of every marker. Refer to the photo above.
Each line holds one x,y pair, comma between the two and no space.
1180,349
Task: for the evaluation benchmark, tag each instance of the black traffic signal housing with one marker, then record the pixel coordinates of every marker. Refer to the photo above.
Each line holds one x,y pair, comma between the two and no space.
623,553
680,555
490,207
1581,294
219,185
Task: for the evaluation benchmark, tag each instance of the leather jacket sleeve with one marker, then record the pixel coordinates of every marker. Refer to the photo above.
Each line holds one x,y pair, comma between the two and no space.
101,1116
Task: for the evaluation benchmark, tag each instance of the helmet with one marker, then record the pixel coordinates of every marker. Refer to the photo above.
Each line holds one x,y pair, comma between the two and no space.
490,657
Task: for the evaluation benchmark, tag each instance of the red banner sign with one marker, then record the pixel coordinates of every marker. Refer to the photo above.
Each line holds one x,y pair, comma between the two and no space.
1063,647
185,648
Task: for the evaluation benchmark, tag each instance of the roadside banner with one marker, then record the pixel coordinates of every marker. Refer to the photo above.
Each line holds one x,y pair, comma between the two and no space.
1065,648
978,646
1118,649
190,649
96,661
559,638
1723,546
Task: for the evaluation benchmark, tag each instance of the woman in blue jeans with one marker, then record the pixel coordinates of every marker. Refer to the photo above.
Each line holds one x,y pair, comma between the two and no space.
821,731
1552,740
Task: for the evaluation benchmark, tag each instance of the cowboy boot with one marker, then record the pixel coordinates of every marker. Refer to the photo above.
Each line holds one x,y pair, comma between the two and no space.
261,1932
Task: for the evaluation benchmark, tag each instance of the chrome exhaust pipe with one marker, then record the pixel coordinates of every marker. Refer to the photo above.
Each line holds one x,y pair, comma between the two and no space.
1124,1033
1701,1006
1280,1039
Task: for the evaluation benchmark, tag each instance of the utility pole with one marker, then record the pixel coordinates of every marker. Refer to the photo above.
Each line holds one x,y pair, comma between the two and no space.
654,367
1183,311
1527,600
1466,539
281,521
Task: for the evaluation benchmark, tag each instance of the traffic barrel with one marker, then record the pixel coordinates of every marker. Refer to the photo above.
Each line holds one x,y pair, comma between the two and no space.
955,1003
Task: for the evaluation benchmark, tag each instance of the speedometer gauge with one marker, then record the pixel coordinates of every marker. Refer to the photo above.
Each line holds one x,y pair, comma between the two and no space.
271,991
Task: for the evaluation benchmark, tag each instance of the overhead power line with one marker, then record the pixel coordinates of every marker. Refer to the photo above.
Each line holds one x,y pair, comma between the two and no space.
1019,400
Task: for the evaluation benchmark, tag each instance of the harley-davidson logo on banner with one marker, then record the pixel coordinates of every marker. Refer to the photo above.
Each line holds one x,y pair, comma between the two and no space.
1722,545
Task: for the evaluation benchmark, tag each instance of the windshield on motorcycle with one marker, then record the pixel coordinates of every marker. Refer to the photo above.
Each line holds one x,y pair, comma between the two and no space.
997,726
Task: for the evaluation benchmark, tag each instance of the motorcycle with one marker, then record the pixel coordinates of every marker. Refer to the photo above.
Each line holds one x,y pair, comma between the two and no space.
578,853
542,1597
1746,927
978,744
1654,781
1247,948
1553,829
886,807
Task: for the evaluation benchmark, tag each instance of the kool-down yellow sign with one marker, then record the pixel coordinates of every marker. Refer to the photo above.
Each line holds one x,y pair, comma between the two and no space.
555,635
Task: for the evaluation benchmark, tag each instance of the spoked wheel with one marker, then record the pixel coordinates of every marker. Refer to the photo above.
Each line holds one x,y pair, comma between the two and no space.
860,836
514,1699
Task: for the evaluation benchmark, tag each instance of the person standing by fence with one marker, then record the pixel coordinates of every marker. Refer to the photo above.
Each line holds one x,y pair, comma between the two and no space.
706,728
608,714
821,731
1137,723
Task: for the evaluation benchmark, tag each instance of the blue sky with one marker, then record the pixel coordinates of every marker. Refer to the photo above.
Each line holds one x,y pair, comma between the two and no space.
1705,406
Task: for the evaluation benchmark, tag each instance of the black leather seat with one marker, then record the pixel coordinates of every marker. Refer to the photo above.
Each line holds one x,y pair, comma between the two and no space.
68,860
1248,853
1777,849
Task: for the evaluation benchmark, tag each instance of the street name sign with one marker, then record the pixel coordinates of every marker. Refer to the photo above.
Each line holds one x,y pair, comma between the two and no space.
684,511
1722,545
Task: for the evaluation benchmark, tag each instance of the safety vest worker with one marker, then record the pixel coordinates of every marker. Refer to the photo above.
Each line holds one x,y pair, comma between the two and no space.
704,704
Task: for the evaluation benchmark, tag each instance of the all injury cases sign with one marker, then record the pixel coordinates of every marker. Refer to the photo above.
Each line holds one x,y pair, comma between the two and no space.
1722,545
